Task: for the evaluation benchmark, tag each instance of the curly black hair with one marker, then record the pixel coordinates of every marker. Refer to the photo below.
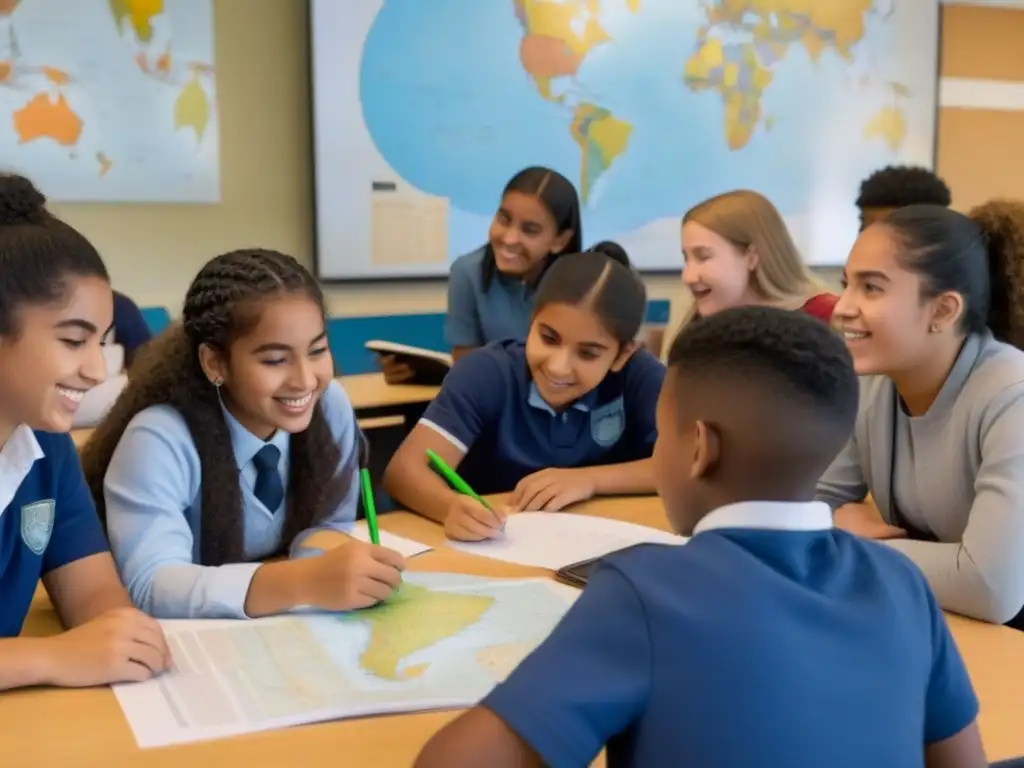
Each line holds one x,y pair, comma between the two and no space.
38,251
897,186
784,381
222,304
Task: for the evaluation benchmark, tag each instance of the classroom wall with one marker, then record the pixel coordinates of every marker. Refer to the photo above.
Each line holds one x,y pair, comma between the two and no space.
262,70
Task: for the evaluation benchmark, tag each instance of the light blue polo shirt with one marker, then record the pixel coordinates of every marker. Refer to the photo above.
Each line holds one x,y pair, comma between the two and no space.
477,316
769,639
47,518
153,498
490,409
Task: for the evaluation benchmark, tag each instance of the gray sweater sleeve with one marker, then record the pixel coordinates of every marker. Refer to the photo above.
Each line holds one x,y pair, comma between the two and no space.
843,482
982,576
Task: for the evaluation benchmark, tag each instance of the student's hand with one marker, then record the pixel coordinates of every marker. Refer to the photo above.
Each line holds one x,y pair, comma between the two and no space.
551,490
863,519
352,576
469,520
122,645
394,371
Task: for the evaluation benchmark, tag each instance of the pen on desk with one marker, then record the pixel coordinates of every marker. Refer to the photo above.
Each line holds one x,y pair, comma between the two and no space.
368,505
458,483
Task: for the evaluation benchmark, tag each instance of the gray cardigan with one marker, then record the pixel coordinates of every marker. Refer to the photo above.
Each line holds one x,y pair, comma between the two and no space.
959,478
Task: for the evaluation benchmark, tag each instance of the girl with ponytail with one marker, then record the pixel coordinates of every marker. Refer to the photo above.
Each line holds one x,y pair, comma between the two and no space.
932,312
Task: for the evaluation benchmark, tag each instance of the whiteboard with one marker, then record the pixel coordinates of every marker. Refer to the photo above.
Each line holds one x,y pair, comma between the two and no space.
423,110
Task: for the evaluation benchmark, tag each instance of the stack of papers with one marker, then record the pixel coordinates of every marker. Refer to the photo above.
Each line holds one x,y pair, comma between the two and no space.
557,539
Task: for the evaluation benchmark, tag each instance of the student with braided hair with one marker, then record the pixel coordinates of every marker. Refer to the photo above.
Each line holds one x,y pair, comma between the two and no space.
232,443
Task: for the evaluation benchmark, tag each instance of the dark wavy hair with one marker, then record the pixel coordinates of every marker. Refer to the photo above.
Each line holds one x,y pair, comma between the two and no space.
563,203
38,252
223,304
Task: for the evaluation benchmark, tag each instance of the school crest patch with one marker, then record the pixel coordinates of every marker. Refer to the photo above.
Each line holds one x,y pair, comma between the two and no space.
608,422
37,524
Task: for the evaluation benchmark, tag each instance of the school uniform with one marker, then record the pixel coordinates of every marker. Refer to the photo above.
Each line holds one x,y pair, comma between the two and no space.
490,409
130,329
769,638
479,314
952,477
47,518
153,499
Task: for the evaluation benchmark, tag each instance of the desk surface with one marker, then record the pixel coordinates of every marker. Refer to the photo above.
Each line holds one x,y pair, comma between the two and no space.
369,390
86,727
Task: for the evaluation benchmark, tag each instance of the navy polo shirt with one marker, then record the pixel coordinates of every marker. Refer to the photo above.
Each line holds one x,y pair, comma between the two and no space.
490,409
47,518
769,639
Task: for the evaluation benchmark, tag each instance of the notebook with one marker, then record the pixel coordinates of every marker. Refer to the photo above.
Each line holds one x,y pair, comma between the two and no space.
428,365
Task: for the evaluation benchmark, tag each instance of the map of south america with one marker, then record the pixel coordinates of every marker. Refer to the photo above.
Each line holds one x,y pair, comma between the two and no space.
557,38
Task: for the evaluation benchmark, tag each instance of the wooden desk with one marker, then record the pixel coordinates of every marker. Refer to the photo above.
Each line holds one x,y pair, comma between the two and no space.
372,396
86,728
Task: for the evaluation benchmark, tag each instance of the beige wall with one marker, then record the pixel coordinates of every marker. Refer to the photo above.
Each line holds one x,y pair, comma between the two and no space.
266,174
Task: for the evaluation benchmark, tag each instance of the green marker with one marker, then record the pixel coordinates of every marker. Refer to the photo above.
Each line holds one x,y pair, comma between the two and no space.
458,483
368,505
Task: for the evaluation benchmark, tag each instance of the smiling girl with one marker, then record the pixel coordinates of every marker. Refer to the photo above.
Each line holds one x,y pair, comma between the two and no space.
738,252
491,290
567,415
232,443
934,303
55,306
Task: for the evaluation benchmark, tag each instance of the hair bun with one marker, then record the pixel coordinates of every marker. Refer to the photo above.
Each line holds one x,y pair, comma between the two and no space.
612,250
20,201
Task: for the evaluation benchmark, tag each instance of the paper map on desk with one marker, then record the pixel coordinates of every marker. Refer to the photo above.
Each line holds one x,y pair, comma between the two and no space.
442,641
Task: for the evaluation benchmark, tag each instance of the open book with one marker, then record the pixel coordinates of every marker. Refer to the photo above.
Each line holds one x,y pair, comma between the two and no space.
429,366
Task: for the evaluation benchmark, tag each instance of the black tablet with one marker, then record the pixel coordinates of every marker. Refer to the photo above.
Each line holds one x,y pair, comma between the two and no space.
578,573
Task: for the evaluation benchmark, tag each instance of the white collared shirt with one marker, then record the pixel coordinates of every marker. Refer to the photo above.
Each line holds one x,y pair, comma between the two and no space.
17,456
769,515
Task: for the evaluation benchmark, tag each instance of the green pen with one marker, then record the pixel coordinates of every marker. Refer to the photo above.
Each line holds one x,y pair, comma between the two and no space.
458,483
368,506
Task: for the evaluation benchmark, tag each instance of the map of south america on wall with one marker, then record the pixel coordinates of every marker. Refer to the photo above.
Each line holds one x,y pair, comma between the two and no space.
110,100
423,111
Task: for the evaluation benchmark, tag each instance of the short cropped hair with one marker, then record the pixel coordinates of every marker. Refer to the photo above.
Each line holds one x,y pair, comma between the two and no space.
776,354
897,186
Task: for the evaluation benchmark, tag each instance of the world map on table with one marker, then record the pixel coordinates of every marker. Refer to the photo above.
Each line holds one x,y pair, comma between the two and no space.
648,106
110,100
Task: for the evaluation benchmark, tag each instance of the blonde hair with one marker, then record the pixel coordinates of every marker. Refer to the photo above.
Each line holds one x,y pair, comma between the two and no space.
749,220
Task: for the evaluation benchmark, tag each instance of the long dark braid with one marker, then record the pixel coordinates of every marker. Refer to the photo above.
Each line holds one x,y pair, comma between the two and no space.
222,304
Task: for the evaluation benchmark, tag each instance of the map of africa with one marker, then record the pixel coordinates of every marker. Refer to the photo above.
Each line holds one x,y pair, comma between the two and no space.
648,106
440,641
110,100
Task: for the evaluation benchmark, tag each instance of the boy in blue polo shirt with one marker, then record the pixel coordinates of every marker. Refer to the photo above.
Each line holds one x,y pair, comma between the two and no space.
567,415
770,638
55,305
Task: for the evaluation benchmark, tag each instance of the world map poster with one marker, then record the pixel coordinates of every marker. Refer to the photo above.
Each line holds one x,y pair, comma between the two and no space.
424,110
110,100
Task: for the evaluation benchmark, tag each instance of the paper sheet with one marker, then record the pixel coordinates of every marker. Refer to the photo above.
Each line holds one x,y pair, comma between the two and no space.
556,539
405,547
443,641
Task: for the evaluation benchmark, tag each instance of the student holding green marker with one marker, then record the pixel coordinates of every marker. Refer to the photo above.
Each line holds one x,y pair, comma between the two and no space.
565,416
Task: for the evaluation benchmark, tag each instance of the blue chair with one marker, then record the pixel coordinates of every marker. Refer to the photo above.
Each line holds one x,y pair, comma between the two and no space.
348,335
157,318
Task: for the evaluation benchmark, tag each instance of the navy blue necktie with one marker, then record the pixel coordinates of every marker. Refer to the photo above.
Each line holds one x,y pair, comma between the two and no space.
268,489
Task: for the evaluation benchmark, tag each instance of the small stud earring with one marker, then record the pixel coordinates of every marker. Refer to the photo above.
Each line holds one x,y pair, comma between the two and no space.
217,382
934,329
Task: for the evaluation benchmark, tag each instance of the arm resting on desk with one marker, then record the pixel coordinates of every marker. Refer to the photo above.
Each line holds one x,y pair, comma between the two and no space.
82,590
410,480
623,479
962,750
478,738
